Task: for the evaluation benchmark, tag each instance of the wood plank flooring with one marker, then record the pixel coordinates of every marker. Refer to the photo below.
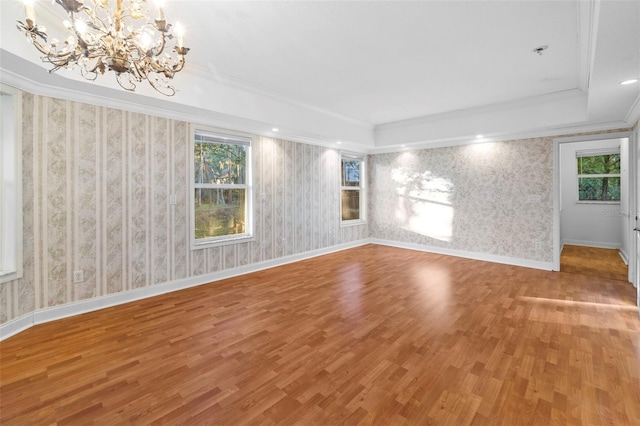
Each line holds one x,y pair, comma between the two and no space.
371,335
597,262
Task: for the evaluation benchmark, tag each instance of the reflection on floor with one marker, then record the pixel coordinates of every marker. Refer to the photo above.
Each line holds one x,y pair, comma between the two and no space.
595,262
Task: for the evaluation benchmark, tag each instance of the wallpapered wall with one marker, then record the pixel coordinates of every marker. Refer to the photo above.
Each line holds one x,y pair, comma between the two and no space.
96,193
494,198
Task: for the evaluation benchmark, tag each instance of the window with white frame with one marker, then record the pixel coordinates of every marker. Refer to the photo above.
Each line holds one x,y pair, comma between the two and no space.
352,185
222,187
10,184
599,175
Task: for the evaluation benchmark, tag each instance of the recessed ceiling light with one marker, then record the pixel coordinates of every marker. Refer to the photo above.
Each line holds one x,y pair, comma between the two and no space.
402,146
338,142
479,136
275,129
630,81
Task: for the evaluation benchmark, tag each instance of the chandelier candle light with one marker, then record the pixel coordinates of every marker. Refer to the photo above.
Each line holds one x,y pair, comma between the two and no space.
103,38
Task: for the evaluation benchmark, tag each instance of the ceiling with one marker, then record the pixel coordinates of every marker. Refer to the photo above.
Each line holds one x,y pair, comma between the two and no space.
377,74
387,61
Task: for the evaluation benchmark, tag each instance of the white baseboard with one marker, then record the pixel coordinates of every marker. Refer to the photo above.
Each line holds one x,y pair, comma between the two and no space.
547,266
53,313
624,256
16,325
596,244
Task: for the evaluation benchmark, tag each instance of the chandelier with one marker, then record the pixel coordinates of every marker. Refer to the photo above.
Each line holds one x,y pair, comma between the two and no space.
121,39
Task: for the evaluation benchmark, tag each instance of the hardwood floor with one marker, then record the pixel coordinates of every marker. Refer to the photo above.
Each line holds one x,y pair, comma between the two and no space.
372,335
597,262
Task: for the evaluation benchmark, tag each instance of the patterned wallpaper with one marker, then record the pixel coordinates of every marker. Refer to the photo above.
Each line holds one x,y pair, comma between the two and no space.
97,183
494,198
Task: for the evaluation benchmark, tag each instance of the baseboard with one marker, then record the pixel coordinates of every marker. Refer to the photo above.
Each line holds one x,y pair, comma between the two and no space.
15,326
53,313
547,266
624,256
596,244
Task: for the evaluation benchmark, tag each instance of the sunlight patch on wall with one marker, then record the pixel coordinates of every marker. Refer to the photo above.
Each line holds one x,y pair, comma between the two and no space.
424,203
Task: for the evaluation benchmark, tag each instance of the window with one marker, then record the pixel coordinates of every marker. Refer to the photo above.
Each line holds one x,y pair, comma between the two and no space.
10,184
222,187
352,190
598,175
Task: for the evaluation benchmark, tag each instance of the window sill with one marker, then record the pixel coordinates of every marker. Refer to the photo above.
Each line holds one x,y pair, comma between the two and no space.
599,202
222,242
355,222
6,276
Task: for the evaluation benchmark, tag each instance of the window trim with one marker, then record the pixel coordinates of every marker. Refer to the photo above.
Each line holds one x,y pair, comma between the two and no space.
598,152
222,240
362,188
16,271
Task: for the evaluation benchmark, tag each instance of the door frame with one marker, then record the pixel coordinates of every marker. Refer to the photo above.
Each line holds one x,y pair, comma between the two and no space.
633,142
633,173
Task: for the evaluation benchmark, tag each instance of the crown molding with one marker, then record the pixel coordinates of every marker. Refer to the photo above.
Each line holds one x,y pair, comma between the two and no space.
576,129
633,115
30,77
531,115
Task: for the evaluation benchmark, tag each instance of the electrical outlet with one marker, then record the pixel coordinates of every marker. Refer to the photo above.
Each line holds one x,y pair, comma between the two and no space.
172,199
78,276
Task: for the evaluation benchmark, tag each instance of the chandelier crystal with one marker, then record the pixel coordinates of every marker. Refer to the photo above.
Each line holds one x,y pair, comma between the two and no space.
122,39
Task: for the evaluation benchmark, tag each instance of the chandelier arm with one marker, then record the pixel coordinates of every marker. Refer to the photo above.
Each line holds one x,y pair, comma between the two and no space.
161,47
90,75
157,67
132,86
94,17
44,49
56,62
180,65
32,32
106,7
170,91
134,73
58,59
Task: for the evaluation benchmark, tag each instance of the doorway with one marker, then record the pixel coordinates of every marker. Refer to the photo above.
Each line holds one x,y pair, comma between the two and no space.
594,228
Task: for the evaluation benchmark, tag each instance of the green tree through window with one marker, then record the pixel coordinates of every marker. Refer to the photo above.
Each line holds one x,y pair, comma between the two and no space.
220,190
599,177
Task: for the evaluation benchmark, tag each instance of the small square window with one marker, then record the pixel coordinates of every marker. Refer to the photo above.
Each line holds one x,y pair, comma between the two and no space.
599,177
